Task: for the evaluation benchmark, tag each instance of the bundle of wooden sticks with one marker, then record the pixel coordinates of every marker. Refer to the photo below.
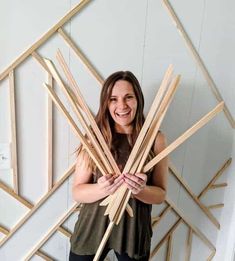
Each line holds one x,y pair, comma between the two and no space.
96,146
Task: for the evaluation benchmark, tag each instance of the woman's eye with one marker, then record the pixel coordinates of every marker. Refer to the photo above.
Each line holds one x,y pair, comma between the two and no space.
112,99
130,97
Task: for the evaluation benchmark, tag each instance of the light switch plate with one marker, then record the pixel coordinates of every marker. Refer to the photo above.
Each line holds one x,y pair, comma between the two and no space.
5,156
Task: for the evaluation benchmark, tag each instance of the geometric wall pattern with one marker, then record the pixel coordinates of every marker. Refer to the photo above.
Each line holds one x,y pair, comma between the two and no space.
9,73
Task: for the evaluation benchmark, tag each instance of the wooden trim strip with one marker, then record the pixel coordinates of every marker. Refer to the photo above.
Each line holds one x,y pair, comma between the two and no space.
167,235
51,232
193,196
188,223
221,185
161,216
217,175
44,38
189,245
50,135
13,131
77,131
204,120
169,247
14,195
40,203
216,206
198,60
80,55
4,230
65,231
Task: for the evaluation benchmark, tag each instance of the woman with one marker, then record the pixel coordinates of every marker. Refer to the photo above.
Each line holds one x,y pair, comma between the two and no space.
120,119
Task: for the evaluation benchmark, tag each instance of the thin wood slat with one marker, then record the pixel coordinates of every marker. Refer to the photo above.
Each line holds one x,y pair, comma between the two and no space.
49,135
161,216
189,244
221,205
121,193
13,131
80,55
184,136
14,195
169,247
77,131
167,235
4,230
221,185
40,60
44,38
43,255
110,160
40,203
65,231
211,256
193,196
189,224
51,231
198,60
217,175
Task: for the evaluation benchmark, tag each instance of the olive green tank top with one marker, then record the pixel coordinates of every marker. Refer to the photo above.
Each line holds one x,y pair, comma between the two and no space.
131,236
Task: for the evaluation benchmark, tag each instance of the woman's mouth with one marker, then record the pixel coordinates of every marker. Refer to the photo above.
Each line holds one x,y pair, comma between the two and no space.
123,114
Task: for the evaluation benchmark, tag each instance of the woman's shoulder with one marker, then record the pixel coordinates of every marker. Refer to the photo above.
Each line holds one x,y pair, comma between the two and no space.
160,142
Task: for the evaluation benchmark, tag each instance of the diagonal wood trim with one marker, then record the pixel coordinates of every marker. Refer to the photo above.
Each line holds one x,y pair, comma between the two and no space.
221,185
40,203
189,245
198,60
51,231
170,231
4,230
16,196
161,216
45,37
80,55
188,223
193,196
217,175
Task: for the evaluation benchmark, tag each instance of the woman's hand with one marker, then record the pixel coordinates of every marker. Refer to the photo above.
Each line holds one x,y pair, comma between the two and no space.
108,184
135,182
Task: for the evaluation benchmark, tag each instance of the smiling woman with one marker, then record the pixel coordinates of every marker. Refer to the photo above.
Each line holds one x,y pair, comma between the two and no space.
120,119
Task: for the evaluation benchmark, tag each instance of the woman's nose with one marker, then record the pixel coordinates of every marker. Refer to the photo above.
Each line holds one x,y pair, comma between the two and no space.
122,104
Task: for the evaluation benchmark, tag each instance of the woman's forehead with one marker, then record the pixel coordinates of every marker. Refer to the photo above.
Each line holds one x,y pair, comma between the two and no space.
122,87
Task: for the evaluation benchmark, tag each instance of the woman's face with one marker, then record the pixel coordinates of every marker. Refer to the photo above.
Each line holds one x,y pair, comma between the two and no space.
122,106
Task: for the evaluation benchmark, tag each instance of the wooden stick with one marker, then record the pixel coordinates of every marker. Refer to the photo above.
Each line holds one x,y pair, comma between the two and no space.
193,196
161,216
44,38
39,204
211,256
49,135
188,223
221,185
198,60
169,247
64,231
217,175
94,126
170,231
80,55
4,230
151,135
13,132
77,131
80,116
122,192
51,231
103,241
43,255
216,206
189,245
40,60
14,195
184,136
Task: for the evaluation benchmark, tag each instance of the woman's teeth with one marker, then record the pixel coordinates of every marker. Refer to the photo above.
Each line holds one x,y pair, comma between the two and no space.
121,114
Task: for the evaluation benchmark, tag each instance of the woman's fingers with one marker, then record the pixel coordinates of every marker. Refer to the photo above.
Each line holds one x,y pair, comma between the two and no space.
135,182
109,183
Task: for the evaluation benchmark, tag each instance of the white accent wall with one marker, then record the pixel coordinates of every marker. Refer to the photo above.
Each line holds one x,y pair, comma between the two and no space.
135,35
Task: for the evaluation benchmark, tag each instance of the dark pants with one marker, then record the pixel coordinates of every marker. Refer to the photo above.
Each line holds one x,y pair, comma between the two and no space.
122,257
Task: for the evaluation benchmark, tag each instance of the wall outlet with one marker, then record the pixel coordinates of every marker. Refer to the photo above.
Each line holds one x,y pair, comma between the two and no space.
5,156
